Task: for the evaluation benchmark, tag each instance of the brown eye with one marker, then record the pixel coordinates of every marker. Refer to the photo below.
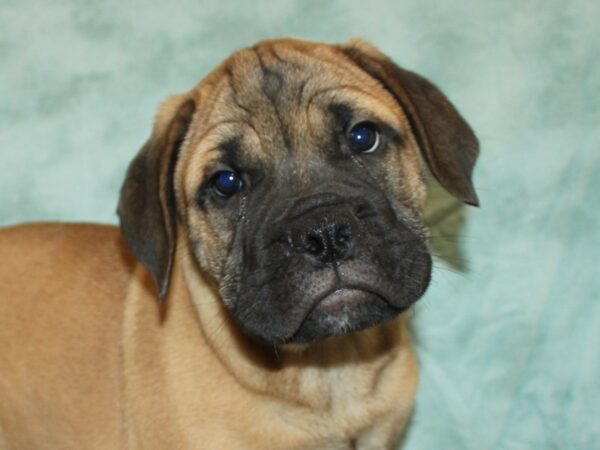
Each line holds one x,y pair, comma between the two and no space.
227,183
364,137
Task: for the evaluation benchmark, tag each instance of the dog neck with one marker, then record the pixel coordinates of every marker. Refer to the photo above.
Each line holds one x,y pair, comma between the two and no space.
294,373
188,345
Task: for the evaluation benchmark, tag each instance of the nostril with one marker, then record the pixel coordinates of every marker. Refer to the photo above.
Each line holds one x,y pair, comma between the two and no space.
343,236
327,242
314,244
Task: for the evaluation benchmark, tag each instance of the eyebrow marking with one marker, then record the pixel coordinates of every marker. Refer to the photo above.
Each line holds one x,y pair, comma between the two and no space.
348,87
326,90
342,113
231,151
211,128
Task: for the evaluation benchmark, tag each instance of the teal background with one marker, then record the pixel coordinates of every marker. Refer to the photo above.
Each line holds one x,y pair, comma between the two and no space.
509,333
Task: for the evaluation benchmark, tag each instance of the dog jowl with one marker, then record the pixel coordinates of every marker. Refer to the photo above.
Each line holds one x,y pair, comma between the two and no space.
300,186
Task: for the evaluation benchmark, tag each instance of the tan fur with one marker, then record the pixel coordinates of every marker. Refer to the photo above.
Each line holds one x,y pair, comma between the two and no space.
91,360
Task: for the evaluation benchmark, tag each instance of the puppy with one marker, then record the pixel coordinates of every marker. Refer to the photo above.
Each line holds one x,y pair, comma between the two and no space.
275,213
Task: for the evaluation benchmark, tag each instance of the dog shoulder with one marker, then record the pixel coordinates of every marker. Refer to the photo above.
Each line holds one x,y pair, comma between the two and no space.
62,289
52,246
63,266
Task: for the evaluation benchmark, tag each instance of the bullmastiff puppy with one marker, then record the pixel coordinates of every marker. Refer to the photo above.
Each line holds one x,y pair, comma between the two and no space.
275,213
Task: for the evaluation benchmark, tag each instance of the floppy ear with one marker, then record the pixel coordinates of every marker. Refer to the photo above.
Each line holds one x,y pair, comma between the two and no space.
147,204
447,142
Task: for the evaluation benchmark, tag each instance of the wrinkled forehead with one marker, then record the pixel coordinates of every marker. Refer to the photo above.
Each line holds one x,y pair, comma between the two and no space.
278,100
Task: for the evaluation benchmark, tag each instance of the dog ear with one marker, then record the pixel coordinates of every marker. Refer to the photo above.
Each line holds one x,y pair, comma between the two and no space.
447,142
147,203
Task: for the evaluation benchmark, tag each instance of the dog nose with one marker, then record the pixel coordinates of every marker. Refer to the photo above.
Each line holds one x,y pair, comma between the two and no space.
327,242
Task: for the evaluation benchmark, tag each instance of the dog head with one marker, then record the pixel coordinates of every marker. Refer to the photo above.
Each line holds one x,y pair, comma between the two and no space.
296,171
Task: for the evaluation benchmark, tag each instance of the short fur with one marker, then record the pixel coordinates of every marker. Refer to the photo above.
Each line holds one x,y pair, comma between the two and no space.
90,359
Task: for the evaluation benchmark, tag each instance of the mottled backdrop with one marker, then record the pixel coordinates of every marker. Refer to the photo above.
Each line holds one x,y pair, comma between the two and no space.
508,335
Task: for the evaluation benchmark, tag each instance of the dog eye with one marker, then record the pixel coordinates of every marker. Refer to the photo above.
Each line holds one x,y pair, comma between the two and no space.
227,183
364,137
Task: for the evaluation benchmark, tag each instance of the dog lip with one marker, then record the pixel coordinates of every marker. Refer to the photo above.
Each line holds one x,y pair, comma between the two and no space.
345,295
339,297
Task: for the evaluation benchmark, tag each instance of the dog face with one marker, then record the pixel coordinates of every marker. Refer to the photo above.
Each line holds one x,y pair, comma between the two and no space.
296,170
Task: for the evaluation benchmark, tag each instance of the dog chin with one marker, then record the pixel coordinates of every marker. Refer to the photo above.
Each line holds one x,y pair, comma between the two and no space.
343,311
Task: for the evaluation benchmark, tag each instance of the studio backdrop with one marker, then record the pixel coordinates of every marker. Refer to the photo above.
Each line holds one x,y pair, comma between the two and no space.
508,334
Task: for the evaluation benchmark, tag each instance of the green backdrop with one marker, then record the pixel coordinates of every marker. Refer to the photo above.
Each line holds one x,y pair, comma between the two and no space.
508,334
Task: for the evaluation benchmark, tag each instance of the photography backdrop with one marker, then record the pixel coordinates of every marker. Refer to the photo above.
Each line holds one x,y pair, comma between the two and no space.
509,333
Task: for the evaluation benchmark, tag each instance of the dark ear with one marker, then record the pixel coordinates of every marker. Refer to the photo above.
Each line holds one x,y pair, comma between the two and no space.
147,204
447,142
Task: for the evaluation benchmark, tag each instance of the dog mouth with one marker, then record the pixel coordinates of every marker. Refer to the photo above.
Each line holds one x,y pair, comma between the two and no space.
342,310
342,298
331,301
